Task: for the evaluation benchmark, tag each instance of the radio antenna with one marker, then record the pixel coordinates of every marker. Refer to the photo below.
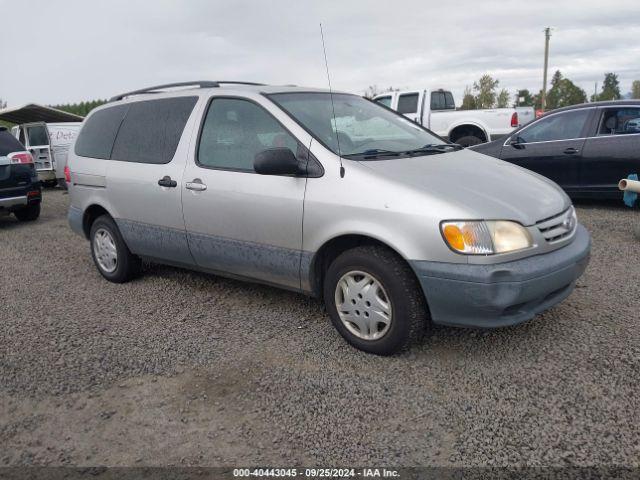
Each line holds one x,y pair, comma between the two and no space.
333,108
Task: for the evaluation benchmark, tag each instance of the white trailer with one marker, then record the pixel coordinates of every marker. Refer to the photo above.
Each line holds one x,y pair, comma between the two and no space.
47,133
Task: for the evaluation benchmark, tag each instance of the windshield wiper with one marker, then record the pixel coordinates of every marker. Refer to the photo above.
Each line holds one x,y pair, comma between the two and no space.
435,148
373,153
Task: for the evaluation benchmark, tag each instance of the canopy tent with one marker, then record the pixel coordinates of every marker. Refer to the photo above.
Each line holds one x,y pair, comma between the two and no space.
37,113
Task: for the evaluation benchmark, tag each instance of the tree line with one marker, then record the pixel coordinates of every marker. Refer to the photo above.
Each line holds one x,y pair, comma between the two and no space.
82,108
563,92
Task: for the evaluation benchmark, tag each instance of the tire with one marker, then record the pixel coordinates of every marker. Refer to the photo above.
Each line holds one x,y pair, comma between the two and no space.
49,183
469,141
63,184
106,241
29,213
405,300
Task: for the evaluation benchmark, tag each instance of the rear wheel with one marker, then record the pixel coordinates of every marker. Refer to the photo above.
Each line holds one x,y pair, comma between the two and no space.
110,254
374,300
49,183
29,213
469,140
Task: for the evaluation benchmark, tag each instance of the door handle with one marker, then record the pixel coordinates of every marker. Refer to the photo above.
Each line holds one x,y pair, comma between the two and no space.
167,182
571,151
196,185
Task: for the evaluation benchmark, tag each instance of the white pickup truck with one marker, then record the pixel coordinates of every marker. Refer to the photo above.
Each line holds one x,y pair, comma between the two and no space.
436,110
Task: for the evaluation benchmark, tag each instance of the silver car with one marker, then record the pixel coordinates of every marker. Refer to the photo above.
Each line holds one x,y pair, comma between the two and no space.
327,194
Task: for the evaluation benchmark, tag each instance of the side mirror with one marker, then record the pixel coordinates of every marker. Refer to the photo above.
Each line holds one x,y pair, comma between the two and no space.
517,142
276,161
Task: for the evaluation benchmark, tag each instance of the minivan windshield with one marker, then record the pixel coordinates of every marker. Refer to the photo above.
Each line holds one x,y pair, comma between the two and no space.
365,130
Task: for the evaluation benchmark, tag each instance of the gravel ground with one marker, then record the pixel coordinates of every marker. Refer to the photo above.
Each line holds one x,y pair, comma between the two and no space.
182,368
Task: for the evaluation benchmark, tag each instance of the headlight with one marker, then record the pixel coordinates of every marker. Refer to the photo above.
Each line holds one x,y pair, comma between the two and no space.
485,237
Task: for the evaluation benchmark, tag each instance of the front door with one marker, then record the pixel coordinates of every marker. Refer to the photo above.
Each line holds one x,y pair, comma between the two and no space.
552,147
239,222
613,152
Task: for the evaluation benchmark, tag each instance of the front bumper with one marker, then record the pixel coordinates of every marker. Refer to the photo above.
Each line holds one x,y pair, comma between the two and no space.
502,294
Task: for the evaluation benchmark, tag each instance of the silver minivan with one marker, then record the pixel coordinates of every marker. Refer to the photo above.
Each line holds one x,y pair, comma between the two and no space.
328,194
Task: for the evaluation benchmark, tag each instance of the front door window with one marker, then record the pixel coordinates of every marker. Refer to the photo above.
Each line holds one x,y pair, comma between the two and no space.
235,130
561,126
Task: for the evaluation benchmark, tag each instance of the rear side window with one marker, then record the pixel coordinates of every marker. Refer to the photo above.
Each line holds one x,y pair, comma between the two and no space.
620,121
442,101
408,103
152,129
9,143
142,132
437,101
99,132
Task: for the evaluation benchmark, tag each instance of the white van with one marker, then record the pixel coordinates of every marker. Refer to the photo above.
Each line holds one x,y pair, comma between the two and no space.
49,144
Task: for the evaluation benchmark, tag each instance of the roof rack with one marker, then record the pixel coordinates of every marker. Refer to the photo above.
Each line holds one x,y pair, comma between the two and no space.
198,84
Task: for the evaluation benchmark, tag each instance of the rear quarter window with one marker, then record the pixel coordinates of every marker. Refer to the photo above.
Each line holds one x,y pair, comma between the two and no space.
142,132
151,130
99,132
9,143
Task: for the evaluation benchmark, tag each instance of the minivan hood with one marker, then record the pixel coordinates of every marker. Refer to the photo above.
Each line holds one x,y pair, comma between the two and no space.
485,186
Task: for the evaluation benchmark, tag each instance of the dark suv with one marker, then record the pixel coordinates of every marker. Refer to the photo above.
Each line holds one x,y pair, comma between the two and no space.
20,191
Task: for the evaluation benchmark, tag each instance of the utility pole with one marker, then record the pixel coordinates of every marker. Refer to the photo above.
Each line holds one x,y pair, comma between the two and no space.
547,36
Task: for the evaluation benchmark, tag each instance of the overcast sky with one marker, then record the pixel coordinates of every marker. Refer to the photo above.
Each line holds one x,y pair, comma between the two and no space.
72,50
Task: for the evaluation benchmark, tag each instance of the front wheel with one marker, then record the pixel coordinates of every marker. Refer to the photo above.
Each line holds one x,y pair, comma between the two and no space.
110,254
374,300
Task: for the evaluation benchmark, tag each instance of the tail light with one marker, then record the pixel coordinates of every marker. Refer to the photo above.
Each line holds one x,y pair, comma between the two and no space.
514,119
67,174
20,157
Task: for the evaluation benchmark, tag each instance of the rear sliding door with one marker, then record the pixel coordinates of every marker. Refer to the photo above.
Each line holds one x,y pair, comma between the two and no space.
144,177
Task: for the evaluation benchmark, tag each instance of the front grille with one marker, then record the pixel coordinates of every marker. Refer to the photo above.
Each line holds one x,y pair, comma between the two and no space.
559,227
